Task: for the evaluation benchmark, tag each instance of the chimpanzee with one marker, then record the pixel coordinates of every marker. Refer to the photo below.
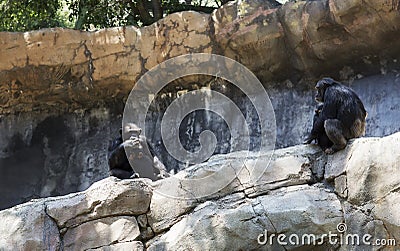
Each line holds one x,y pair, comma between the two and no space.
140,154
342,116
117,160
322,139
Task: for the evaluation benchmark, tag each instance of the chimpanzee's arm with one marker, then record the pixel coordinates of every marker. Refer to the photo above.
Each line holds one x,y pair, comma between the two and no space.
329,111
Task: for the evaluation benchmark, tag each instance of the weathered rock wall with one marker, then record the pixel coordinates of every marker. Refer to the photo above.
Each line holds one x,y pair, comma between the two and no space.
47,154
62,91
65,70
299,191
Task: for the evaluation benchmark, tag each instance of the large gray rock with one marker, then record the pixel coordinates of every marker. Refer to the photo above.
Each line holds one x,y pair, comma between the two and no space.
365,174
371,173
126,246
287,208
236,223
101,232
28,227
364,170
104,216
105,198
359,221
248,172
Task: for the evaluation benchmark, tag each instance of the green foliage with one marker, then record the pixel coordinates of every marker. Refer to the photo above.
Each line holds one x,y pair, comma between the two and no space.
98,13
23,15
108,13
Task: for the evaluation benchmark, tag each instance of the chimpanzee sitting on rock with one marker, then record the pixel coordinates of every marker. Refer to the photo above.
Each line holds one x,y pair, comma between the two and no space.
143,162
342,116
117,160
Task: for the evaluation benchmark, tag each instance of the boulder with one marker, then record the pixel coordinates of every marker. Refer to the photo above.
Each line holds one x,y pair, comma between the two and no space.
105,198
101,232
249,172
102,216
238,223
28,227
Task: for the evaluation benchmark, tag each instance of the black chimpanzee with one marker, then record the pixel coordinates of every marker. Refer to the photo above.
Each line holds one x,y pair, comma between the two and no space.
141,156
342,116
117,160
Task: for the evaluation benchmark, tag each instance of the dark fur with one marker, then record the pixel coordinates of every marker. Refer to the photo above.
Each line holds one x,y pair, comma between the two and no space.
342,117
117,160
322,139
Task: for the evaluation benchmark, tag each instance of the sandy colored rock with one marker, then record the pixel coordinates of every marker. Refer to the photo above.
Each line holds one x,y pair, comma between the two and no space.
277,43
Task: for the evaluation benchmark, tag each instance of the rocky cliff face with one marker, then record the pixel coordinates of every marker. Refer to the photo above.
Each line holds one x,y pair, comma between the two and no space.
299,192
62,92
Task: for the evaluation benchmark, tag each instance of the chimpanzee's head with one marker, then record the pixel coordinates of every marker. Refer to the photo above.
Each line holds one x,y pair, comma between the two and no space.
321,87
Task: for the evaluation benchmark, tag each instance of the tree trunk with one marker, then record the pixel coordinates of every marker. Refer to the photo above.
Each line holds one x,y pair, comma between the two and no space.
157,9
145,16
82,13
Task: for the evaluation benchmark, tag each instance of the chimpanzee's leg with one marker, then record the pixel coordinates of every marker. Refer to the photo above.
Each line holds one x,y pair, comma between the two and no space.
335,133
323,141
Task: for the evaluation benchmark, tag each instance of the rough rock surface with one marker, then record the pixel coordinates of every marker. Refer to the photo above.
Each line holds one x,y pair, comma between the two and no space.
104,216
289,199
235,222
62,91
67,69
